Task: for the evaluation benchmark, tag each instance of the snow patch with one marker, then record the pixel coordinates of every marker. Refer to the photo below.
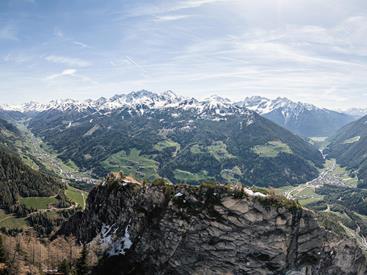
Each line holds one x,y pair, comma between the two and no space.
112,243
251,193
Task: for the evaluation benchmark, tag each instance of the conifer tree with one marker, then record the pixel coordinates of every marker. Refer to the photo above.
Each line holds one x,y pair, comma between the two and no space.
82,265
2,251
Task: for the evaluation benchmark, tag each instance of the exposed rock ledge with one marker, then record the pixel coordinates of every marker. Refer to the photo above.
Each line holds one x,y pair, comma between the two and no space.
164,229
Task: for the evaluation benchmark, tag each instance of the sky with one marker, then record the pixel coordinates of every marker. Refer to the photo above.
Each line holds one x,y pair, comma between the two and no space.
313,51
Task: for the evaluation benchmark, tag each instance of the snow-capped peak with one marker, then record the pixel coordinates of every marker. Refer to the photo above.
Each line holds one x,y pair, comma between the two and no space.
170,95
216,102
140,101
24,108
264,105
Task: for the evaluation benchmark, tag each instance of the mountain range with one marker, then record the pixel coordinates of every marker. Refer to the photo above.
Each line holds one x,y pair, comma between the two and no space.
301,118
184,140
161,139
153,135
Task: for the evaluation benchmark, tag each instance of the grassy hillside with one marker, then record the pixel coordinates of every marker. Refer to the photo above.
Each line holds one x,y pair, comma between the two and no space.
181,148
349,147
18,178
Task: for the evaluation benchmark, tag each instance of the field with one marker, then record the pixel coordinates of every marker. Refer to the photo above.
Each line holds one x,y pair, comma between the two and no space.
352,140
167,144
77,196
133,164
9,221
219,151
272,149
187,177
319,142
304,193
38,202
230,174
196,149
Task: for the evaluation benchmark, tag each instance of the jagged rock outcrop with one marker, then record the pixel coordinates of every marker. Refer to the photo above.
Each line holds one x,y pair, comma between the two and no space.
211,229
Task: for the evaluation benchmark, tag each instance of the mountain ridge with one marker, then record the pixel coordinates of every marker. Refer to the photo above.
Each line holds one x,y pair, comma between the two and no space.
303,119
348,146
18,178
205,140
165,99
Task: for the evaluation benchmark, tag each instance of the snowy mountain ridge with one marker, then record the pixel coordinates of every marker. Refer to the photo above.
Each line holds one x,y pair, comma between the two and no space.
139,101
301,118
263,105
168,99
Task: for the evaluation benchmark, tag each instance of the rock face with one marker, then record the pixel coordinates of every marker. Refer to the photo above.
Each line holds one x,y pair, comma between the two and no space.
165,229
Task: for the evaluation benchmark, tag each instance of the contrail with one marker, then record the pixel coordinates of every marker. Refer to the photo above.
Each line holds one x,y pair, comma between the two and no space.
132,61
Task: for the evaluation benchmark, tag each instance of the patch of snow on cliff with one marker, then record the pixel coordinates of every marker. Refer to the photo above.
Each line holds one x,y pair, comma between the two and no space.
113,244
253,194
121,245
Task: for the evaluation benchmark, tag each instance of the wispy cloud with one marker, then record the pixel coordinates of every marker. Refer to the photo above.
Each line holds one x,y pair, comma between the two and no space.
61,35
171,6
66,72
189,4
18,58
237,47
80,44
171,17
71,74
137,65
58,33
70,61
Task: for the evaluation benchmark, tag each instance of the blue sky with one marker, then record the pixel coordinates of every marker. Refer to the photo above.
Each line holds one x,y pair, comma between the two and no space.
308,50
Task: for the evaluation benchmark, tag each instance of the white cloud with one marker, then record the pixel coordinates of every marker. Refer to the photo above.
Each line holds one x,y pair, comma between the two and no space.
66,72
189,4
68,61
307,50
58,33
70,74
137,65
350,35
18,58
171,17
171,6
80,44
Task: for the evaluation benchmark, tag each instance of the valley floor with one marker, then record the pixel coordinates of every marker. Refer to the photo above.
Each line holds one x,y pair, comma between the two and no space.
332,174
35,147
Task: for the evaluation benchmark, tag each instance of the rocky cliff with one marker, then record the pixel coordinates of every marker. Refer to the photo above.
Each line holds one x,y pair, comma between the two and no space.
211,229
